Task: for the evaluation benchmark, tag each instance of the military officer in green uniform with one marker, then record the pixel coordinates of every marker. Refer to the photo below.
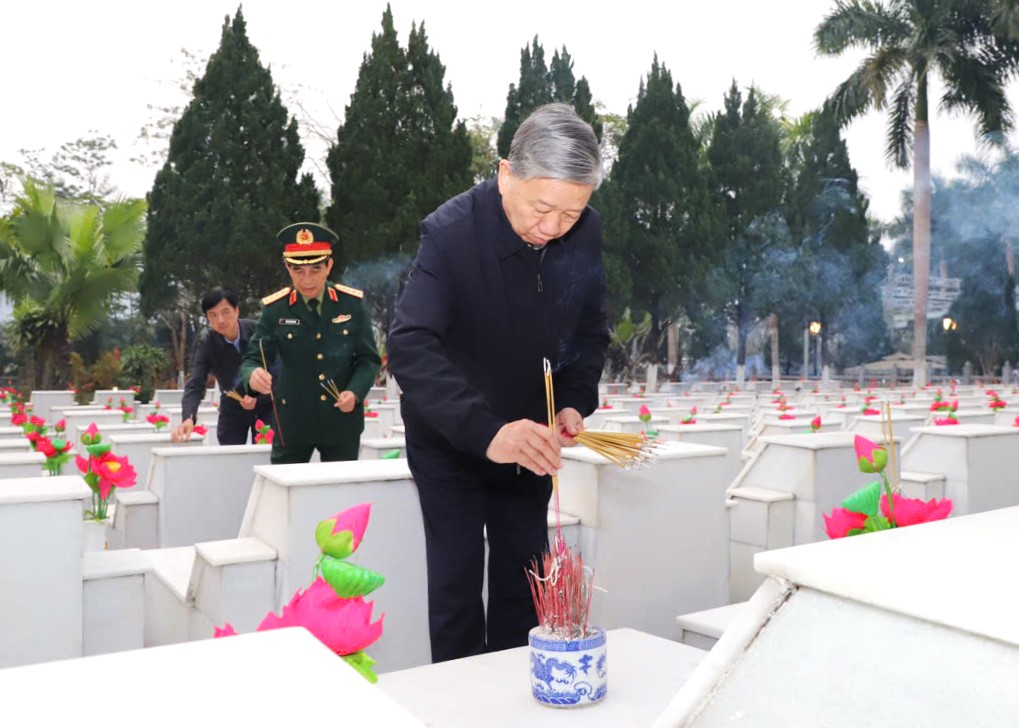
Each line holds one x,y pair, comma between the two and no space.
322,334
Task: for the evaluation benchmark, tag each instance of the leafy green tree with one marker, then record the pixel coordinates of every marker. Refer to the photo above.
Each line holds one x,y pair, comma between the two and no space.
837,275
229,184
539,85
660,221
909,41
146,366
750,184
63,264
399,154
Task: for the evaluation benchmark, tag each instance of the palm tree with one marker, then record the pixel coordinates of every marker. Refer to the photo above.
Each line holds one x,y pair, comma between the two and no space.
965,42
61,264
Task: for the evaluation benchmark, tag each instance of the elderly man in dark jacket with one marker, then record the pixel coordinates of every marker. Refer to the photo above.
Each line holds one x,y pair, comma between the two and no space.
508,273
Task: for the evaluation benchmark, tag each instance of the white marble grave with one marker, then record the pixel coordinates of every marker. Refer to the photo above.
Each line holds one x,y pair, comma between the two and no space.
926,600
44,402
202,492
271,678
633,521
979,464
493,689
138,449
373,448
18,465
41,570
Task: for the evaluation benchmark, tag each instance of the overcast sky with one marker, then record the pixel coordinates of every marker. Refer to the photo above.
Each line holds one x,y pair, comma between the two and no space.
74,67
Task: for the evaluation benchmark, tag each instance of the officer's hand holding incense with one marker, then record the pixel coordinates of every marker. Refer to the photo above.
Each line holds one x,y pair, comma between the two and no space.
260,381
346,401
568,423
249,402
526,443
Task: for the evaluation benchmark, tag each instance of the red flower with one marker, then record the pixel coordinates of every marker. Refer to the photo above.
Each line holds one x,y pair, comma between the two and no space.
815,424
44,446
200,429
18,419
37,421
910,511
33,436
91,435
842,521
870,411
114,472
787,417
946,420
61,425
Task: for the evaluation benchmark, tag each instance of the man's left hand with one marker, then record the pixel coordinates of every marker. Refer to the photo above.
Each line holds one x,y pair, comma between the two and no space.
568,423
346,401
248,402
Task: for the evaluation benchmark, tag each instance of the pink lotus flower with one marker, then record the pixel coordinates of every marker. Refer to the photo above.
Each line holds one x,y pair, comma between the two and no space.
340,535
842,521
911,511
693,410
998,404
870,457
91,435
946,421
61,425
37,421
815,424
369,413
786,417
200,429
342,625
226,631
871,411
645,413
18,419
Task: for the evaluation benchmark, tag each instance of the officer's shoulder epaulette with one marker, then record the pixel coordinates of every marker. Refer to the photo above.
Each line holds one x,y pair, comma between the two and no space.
348,290
273,297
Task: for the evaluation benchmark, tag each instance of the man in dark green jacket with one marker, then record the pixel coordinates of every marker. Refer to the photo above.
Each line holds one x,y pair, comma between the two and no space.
323,335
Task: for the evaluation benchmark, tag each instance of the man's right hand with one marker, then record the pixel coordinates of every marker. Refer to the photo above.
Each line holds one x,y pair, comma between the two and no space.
529,444
183,431
260,381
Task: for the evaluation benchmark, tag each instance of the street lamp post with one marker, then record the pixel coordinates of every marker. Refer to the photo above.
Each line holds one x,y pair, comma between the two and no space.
815,330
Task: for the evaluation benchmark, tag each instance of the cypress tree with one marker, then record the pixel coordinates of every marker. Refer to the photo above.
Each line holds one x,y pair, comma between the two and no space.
229,184
540,84
751,183
660,220
399,153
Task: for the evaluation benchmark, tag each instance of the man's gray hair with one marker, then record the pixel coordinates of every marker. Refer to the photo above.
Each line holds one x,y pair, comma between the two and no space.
555,142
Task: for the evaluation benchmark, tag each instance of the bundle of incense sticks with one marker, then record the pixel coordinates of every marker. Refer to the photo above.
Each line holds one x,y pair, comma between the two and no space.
330,386
233,394
626,449
561,585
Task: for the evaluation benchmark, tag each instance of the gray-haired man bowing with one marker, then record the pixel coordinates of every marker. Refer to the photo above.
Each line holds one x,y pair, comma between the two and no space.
508,273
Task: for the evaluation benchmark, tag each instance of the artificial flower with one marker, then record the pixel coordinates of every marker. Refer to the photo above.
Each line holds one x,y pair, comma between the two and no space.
340,535
815,424
91,435
842,521
870,457
911,511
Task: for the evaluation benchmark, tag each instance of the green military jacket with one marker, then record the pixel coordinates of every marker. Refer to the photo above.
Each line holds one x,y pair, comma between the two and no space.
339,346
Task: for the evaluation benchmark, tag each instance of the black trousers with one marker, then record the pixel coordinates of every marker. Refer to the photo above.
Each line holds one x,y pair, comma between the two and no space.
235,423
461,496
301,452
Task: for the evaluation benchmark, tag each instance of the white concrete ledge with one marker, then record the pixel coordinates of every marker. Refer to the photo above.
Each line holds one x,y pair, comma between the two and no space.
235,551
352,471
762,495
173,568
61,487
112,564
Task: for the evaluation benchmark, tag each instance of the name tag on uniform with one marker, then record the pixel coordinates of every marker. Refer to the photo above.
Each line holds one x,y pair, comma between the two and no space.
290,322
342,318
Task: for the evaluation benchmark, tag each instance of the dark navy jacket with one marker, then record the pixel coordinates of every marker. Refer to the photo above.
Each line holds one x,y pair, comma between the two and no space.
480,311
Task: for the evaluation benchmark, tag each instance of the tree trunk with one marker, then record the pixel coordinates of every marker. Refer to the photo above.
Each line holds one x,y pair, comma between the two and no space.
921,242
776,370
